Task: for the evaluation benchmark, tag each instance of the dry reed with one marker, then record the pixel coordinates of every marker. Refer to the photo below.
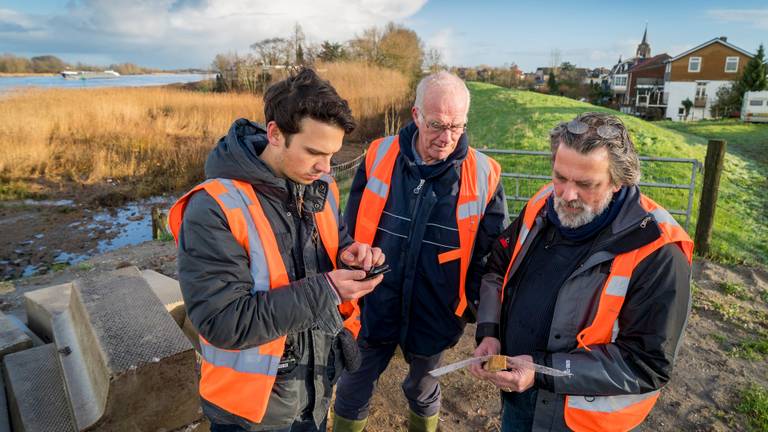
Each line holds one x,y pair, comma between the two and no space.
156,137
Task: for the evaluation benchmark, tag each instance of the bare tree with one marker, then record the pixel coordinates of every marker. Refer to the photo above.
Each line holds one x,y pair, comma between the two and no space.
273,51
433,60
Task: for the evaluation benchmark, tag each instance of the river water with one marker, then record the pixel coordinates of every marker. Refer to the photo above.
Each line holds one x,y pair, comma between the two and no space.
12,83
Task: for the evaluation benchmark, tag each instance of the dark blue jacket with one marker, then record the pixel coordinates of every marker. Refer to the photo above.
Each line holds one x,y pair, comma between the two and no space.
415,303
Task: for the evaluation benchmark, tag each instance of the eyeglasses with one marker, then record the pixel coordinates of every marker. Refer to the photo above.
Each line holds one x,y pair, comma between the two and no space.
439,127
578,127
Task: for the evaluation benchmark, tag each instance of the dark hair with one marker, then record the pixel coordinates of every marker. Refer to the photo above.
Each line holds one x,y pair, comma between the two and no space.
305,94
624,164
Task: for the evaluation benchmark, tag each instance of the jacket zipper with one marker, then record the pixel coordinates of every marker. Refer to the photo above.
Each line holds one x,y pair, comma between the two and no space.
417,189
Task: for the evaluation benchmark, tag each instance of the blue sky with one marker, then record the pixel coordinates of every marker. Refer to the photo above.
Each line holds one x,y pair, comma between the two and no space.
188,33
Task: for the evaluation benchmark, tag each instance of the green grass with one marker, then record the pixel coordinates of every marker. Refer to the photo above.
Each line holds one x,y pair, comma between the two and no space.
734,289
753,349
512,119
16,190
754,404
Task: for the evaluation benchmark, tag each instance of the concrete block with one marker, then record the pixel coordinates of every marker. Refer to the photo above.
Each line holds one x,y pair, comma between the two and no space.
169,292
36,391
36,341
129,366
5,419
42,305
12,339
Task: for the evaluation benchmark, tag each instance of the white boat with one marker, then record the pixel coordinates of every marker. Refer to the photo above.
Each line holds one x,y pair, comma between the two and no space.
81,75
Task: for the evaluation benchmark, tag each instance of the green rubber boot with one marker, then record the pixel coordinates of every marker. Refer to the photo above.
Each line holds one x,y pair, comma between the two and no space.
417,423
341,424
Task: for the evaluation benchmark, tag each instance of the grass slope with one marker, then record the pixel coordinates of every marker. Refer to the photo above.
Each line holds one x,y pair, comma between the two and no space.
511,119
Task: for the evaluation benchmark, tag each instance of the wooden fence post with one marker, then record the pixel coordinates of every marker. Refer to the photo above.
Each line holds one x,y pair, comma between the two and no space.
713,168
158,226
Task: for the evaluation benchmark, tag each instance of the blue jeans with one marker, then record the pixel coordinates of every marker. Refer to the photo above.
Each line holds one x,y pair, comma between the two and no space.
517,411
299,425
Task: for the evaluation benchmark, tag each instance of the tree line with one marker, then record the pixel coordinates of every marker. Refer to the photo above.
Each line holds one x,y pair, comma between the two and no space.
10,63
393,46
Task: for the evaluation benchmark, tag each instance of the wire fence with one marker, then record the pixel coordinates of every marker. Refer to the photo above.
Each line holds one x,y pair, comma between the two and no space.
344,173
669,181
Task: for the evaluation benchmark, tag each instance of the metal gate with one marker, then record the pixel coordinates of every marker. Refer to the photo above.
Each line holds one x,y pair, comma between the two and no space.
669,181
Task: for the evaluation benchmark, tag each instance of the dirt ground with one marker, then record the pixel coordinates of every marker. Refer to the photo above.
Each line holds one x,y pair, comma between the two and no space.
702,395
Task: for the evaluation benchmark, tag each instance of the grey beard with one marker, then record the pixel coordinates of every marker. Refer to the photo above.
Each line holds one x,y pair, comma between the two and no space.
587,215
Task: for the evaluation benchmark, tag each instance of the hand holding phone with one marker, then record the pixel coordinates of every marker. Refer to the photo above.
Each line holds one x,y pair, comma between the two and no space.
372,273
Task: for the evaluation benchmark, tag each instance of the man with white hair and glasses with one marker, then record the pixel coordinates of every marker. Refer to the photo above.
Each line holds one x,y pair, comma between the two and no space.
434,206
592,278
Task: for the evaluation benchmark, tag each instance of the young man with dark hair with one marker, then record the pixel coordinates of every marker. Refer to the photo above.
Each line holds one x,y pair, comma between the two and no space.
260,242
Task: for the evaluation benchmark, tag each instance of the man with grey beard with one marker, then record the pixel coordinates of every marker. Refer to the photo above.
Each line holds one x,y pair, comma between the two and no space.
592,278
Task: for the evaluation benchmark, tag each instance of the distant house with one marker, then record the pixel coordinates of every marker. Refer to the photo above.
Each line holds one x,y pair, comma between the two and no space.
698,74
644,95
542,74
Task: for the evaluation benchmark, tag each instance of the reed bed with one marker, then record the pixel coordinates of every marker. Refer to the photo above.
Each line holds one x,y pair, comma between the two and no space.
156,138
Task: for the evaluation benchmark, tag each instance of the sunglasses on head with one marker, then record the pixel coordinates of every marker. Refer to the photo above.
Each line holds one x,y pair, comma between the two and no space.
605,131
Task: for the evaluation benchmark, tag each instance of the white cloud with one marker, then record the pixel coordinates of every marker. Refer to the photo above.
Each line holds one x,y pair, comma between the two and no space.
756,17
171,33
444,41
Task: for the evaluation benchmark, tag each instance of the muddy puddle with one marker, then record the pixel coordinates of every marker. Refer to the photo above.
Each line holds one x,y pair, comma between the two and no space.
41,236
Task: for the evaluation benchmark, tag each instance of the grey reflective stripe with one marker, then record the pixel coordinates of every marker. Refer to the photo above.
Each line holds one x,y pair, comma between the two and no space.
483,171
543,193
617,286
663,216
524,230
607,403
246,361
377,186
386,143
236,199
615,330
469,209
331,198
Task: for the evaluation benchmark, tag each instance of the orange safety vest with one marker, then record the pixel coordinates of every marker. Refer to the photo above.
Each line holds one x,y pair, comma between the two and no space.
240,381
480,177
621,412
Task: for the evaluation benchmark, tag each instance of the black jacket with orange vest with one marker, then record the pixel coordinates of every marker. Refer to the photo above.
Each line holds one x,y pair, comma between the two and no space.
416,303
217,283
619,362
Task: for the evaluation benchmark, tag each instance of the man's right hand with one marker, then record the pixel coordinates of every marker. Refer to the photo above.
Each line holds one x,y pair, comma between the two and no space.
488,346
349,285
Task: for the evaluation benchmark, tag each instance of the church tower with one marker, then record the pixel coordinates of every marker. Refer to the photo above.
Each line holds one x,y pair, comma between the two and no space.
644,50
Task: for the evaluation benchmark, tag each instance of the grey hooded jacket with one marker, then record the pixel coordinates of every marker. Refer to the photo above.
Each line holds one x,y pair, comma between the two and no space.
216,282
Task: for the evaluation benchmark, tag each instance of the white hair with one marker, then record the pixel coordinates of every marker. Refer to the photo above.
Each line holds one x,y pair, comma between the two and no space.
444,80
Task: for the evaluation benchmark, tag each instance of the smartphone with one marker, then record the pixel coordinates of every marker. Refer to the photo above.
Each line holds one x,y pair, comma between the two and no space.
372,273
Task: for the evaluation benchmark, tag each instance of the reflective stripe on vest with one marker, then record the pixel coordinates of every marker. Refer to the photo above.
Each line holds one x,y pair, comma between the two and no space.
480,177
621,412
240,381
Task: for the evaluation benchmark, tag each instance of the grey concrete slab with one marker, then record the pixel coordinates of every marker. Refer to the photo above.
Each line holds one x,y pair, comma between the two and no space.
42,305
169,292
12,338
130,367
36,391
5,418
36,341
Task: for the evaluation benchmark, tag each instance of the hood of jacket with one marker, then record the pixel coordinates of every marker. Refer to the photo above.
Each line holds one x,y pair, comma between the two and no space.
236,156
